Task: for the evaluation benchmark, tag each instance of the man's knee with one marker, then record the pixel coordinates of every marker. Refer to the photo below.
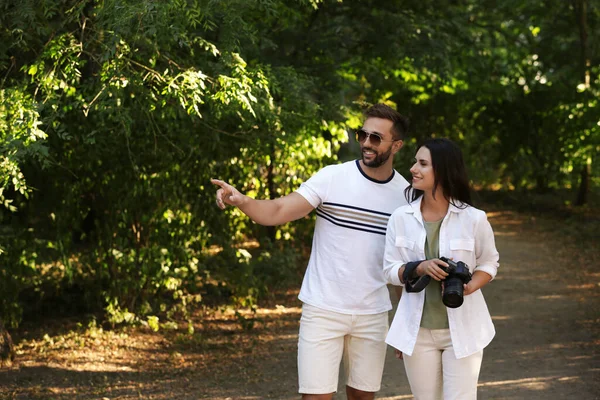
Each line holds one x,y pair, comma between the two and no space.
328,396
355,394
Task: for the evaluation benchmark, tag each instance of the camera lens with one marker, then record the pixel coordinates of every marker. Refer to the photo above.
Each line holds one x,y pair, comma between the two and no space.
453,292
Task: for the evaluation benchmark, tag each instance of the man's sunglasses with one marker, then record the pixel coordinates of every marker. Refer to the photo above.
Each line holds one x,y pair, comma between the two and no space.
374,138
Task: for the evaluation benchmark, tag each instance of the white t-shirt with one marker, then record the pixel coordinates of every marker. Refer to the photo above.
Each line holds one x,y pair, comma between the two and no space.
345,270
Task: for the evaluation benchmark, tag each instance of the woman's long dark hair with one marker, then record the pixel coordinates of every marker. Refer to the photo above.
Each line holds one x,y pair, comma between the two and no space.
449,171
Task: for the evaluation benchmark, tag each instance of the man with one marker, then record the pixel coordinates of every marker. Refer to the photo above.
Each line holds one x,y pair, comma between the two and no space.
344,293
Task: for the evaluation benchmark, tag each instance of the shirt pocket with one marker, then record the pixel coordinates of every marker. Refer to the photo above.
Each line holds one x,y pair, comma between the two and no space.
406,247
463,250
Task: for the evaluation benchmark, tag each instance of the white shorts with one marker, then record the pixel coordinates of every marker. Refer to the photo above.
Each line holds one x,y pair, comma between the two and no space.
326,337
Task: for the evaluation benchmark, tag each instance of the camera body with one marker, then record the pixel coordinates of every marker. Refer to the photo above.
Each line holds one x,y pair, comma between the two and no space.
458,275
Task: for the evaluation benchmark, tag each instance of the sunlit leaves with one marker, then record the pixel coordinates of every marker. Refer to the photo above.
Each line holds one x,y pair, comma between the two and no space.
118,114
20,134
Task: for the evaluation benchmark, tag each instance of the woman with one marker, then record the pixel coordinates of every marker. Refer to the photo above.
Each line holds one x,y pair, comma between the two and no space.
442,347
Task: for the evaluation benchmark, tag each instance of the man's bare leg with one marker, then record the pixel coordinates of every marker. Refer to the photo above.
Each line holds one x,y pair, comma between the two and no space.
328,396
355,394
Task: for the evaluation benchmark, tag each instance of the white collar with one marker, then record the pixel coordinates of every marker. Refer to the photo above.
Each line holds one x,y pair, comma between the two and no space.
415,207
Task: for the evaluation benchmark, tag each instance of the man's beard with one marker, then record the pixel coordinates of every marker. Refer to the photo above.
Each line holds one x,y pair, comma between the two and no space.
379,159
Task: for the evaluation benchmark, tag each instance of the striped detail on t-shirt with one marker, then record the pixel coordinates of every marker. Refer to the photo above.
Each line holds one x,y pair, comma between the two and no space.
357,218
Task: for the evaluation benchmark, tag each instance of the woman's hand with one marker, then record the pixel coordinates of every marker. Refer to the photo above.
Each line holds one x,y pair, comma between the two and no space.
398,354
478,280
432,268
468,289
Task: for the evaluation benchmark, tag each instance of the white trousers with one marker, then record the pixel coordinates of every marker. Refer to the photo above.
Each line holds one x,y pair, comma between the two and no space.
434,372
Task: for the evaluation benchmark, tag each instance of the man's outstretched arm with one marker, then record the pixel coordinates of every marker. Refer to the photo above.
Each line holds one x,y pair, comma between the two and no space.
264,212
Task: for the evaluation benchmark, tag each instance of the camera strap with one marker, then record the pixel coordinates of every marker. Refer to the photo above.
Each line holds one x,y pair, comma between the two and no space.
413,283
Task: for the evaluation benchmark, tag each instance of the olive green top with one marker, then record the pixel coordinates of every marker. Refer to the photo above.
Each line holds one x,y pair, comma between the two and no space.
434,311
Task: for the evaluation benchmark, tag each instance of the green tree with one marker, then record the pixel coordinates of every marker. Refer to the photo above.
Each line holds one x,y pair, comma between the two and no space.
114,115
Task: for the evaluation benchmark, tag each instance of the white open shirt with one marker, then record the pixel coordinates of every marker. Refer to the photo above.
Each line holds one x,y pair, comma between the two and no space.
465,235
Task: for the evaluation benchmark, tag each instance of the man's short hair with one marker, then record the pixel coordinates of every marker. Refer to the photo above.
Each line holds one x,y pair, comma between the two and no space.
400,122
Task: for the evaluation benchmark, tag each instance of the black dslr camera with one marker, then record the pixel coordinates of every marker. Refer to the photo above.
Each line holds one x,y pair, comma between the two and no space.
458,274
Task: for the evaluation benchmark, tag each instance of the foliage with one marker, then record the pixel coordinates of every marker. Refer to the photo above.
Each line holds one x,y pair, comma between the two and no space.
114,115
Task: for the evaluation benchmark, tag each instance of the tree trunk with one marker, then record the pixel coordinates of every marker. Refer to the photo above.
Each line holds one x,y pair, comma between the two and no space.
581,7
584,184
271,230
7,350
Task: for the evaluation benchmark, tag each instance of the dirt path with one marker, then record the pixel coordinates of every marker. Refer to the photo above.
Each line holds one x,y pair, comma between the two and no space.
545,303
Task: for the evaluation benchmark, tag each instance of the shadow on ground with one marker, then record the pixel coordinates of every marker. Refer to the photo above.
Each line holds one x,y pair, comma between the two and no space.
545,303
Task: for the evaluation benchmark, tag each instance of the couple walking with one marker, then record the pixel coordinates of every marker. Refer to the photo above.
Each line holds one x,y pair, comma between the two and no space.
374,228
